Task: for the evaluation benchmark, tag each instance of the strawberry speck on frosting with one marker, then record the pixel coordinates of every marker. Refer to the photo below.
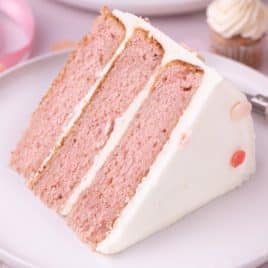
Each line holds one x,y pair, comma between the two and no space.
238,158
240,110
185,136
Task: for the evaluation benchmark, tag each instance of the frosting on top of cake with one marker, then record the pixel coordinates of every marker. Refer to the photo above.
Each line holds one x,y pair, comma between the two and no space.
184,176
246,18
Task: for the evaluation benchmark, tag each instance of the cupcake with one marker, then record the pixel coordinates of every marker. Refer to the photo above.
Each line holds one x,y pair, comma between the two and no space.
238,29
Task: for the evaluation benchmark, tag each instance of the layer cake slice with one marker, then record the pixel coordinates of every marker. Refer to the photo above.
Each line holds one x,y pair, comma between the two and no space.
135,132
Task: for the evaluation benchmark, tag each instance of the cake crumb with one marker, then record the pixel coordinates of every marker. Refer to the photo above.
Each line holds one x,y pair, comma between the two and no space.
63,44
240,110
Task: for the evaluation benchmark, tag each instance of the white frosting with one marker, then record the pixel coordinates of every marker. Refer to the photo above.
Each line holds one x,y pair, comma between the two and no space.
184,179
247,18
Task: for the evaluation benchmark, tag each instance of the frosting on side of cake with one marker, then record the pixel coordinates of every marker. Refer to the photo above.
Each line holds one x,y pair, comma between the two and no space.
173,51
182,179
247,18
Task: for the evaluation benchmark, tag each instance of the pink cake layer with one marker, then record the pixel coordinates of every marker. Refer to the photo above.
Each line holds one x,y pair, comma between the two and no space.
99,206
125,80
71,85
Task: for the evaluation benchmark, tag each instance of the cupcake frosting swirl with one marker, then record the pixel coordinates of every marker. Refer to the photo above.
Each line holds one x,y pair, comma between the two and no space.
247,18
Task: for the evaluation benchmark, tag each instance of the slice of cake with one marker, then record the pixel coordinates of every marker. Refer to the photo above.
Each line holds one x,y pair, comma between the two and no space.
135,132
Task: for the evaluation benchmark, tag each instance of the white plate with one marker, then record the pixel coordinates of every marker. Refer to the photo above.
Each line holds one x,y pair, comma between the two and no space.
229,232
147,7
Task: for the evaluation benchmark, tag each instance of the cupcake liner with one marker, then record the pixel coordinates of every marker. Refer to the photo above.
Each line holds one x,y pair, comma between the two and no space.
250,54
